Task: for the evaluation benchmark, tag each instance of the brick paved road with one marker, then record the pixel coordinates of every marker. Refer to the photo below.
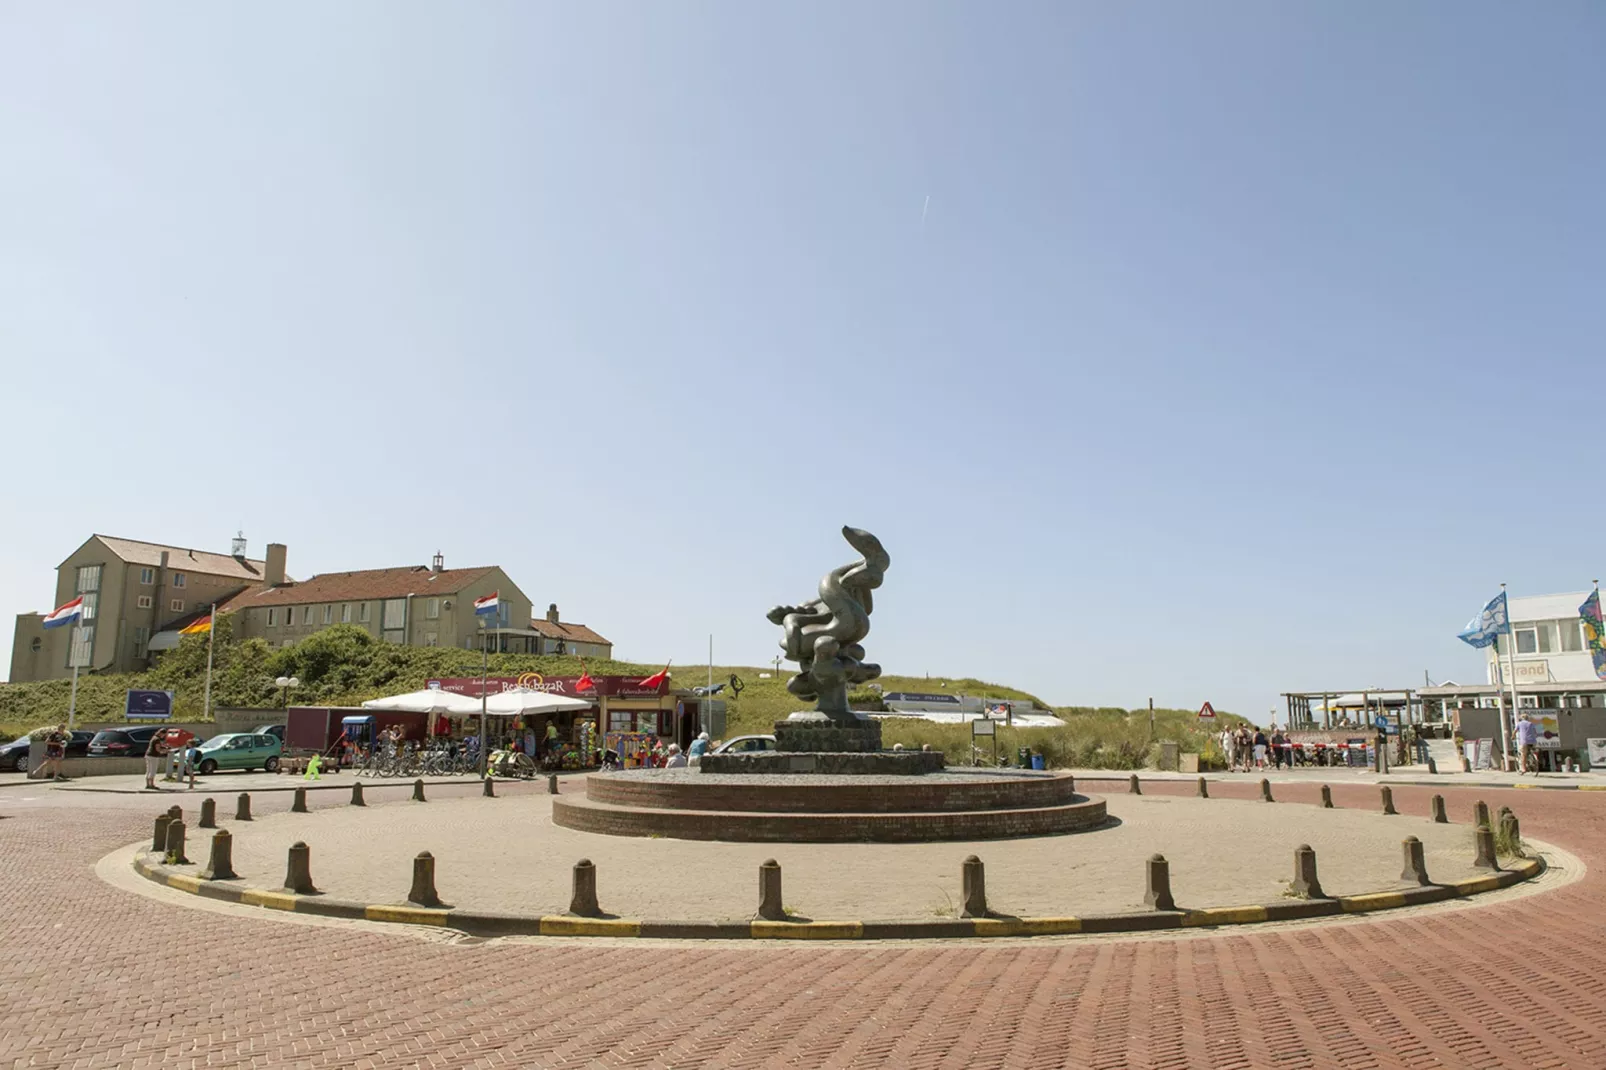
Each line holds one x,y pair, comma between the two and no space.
91,975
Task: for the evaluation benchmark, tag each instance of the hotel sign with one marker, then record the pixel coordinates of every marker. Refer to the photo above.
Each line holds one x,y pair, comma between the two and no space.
1534,671
612,686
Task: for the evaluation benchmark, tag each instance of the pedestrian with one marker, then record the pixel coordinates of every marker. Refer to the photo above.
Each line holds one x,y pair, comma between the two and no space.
676,759
1277,747
1243,749
313,764
1260,744
1527,737
551,739
155,750
699,746
55,750
192,760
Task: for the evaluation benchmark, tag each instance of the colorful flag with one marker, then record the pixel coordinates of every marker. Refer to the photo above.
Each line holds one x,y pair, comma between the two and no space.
1492,621
656,679
65,614
1594,632
485,605
585,683
200,627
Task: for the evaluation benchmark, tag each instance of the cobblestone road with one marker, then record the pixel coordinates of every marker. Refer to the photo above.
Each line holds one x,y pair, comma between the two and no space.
94,976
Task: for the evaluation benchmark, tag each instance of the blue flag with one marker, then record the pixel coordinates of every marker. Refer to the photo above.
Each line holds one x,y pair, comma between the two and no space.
1482,629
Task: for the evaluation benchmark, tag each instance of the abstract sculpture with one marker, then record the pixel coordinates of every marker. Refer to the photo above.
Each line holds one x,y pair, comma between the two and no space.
823,636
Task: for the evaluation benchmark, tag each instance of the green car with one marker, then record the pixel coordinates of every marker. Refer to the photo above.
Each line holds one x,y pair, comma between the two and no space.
240,750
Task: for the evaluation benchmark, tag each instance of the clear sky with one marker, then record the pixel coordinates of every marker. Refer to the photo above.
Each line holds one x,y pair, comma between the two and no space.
1194,351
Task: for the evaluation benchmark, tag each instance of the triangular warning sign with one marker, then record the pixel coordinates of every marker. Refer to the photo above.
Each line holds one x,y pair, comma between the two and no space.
1206,710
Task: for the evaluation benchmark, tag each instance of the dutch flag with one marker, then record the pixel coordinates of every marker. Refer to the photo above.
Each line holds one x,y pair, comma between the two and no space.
482,606
66,614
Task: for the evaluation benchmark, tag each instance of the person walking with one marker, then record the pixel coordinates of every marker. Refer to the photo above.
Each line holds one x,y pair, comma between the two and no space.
551,739
155,750
1277,741
192,760
55,750
1527,738
1260,745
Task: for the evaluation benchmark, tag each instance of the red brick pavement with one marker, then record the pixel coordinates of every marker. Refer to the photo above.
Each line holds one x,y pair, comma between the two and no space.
92,976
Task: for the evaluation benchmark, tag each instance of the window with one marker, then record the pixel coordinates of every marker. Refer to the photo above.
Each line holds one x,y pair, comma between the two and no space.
141,636
81,648
1572,636
147,576
329,614
306,614
144,601
431,639
176,605
362,612
178,580
88,578
36,645
345,613
1527,640
504,612
433,610
273,618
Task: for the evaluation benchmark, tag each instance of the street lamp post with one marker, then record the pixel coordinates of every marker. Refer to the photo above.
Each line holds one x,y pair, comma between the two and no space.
284,684
485,665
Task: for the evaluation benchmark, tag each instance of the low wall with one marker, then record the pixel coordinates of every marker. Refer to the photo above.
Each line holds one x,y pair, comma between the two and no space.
82,767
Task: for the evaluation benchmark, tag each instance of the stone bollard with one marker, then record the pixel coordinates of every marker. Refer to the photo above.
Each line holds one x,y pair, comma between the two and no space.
1433,767
1327,797
584,900
489,789
298,871
159,836
1157,893
1306,884
552,784
175,844
418,790
1133,787
1388,800
242,807
1204,789
176,813
1439,817
1480,813
1070,783
1485,841
356,794
973,886
1508,835
208,814
769,891
423,890
1466,766
1416,865
220,866
300,805
1265,790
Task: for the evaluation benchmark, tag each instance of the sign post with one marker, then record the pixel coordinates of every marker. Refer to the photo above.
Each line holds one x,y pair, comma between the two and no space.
1207,713
984,726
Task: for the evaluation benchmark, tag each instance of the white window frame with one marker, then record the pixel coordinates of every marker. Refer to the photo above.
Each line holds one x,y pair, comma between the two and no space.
175,605
362,612
432,639
147,576
273,617
178,580
329,613
432,609
306,614
144,601
345,613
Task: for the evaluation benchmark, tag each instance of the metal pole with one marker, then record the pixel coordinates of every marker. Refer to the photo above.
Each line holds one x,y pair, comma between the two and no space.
485,668
1511,675
72,700
211,641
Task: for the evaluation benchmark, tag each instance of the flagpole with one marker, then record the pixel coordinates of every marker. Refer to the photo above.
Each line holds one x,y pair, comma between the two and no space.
1511,679
485,668
72,700
211,638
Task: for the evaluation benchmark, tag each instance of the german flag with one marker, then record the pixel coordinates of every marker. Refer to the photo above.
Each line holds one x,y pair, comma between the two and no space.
200,627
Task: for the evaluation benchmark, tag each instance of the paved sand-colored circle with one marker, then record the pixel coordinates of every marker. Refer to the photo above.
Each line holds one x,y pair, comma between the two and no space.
506,855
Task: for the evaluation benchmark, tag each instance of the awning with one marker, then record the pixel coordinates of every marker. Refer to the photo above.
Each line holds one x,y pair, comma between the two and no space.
431,701
522,701
360,719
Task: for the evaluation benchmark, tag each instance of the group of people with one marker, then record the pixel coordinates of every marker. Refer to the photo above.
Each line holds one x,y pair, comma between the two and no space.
1247,749
672,757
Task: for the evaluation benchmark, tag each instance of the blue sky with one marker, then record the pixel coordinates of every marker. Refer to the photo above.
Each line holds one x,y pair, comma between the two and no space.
1242,346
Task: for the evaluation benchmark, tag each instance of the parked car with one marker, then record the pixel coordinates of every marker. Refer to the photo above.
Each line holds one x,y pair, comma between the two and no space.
745,745
14,755
122,742
240,750
274,730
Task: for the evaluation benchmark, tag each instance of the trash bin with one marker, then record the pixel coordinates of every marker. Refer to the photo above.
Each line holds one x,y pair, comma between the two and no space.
1023,757
1037,762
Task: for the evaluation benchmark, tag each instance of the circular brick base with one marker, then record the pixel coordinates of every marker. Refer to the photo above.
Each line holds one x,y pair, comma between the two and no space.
809,809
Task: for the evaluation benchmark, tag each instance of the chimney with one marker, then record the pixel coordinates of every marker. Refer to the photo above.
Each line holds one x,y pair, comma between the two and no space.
552,613
438,564
273,571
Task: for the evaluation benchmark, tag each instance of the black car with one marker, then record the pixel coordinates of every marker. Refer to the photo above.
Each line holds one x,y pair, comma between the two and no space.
122,742
14,755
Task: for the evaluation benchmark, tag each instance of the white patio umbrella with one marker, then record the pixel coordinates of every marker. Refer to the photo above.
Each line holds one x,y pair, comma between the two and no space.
431,701
519,701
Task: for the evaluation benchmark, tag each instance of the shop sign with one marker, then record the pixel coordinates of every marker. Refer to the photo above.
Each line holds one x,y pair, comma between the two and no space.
615,686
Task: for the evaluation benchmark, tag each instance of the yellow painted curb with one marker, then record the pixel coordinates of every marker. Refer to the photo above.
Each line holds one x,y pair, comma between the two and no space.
183,882
1524,787
807,930
273,900
1476,885
1224,916
409,915
1354,904
1592,787
561,925
1048,926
